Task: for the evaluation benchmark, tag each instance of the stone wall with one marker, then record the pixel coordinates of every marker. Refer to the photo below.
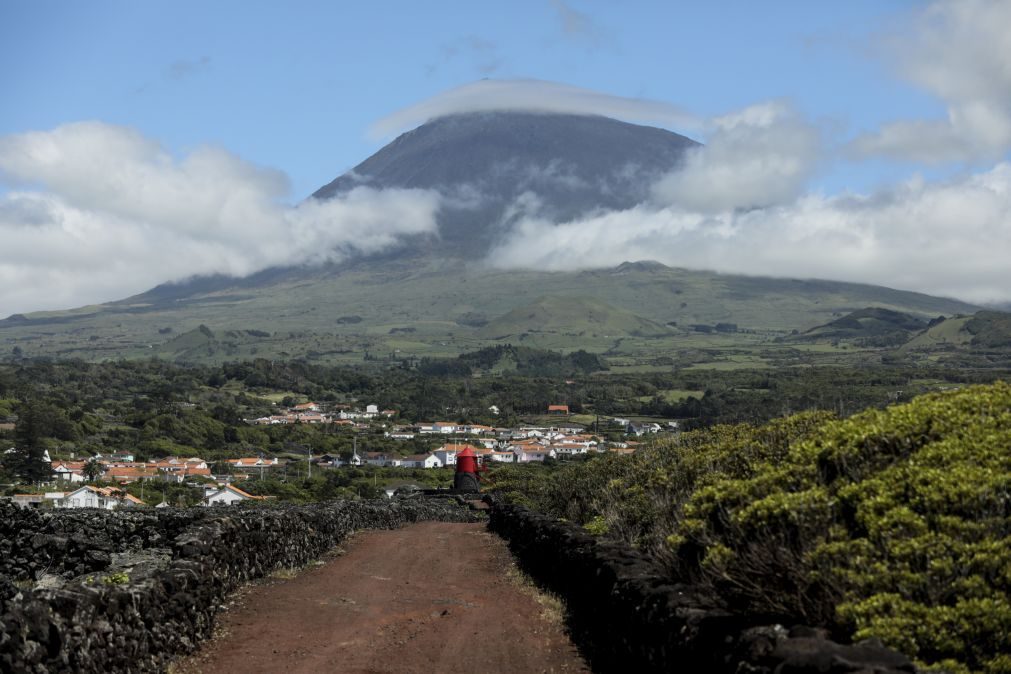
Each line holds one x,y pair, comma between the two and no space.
627,617
130,591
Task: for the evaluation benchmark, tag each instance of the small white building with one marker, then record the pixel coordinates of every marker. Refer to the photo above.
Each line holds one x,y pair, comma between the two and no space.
527,454
105,498
228,495
33,500
446,456
72,472
422,461
569,448
502,457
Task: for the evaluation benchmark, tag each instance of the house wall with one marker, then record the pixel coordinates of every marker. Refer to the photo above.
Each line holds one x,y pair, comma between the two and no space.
85,498
447,458
224,497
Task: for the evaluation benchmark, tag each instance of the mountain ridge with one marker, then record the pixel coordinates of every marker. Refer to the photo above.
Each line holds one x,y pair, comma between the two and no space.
485,162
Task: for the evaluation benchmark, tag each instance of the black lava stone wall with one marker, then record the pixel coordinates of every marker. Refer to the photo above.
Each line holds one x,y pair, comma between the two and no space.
627,617
100,622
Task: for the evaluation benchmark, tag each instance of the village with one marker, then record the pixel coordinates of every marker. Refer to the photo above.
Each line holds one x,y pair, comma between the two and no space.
73,480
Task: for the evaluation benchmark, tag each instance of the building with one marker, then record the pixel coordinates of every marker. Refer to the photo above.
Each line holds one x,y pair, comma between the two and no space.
105,498
558,409
33,500
229,495
378,459
422,461
69,471
252,462
527,454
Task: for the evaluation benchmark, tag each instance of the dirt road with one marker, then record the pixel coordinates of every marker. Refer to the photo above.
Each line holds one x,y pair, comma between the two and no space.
432,597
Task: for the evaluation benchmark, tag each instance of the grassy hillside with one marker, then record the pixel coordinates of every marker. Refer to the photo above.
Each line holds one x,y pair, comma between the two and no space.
572,316
426,307
891,524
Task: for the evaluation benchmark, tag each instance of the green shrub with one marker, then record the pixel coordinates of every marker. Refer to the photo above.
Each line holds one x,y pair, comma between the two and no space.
894,523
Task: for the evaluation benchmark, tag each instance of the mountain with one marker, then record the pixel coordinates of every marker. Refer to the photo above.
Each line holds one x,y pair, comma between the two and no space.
485,161
438,298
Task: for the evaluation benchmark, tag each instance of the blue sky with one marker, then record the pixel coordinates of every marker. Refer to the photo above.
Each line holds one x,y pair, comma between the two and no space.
147,142
296,85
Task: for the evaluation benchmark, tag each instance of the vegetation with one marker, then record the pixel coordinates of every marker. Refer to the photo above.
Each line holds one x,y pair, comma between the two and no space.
892,524
636,310
153,408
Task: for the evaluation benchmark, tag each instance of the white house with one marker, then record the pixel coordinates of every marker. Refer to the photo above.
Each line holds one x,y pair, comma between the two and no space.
444,427
502,457
569,448
528,453
72,472
228,495
422,461
446,455
106,498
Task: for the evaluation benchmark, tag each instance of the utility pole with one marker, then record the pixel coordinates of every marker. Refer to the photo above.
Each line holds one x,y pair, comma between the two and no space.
310,463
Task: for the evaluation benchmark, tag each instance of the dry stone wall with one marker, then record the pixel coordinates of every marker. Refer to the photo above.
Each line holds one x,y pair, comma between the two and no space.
130,591
627,617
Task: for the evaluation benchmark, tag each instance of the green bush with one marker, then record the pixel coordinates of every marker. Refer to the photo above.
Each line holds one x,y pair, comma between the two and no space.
894,523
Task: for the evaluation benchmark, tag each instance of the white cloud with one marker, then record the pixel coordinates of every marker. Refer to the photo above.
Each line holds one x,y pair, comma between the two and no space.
760,156
102,212
959,51
948,239
534,96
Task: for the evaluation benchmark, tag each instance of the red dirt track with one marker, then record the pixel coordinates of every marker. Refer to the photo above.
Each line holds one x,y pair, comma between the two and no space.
430,598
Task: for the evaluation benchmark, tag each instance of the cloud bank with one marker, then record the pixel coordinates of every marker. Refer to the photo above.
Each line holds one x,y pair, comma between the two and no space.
533,96
959,51
740,204
949,239
760,156
98,212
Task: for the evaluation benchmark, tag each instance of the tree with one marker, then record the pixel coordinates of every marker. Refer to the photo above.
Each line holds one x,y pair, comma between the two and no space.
28,461
92,470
